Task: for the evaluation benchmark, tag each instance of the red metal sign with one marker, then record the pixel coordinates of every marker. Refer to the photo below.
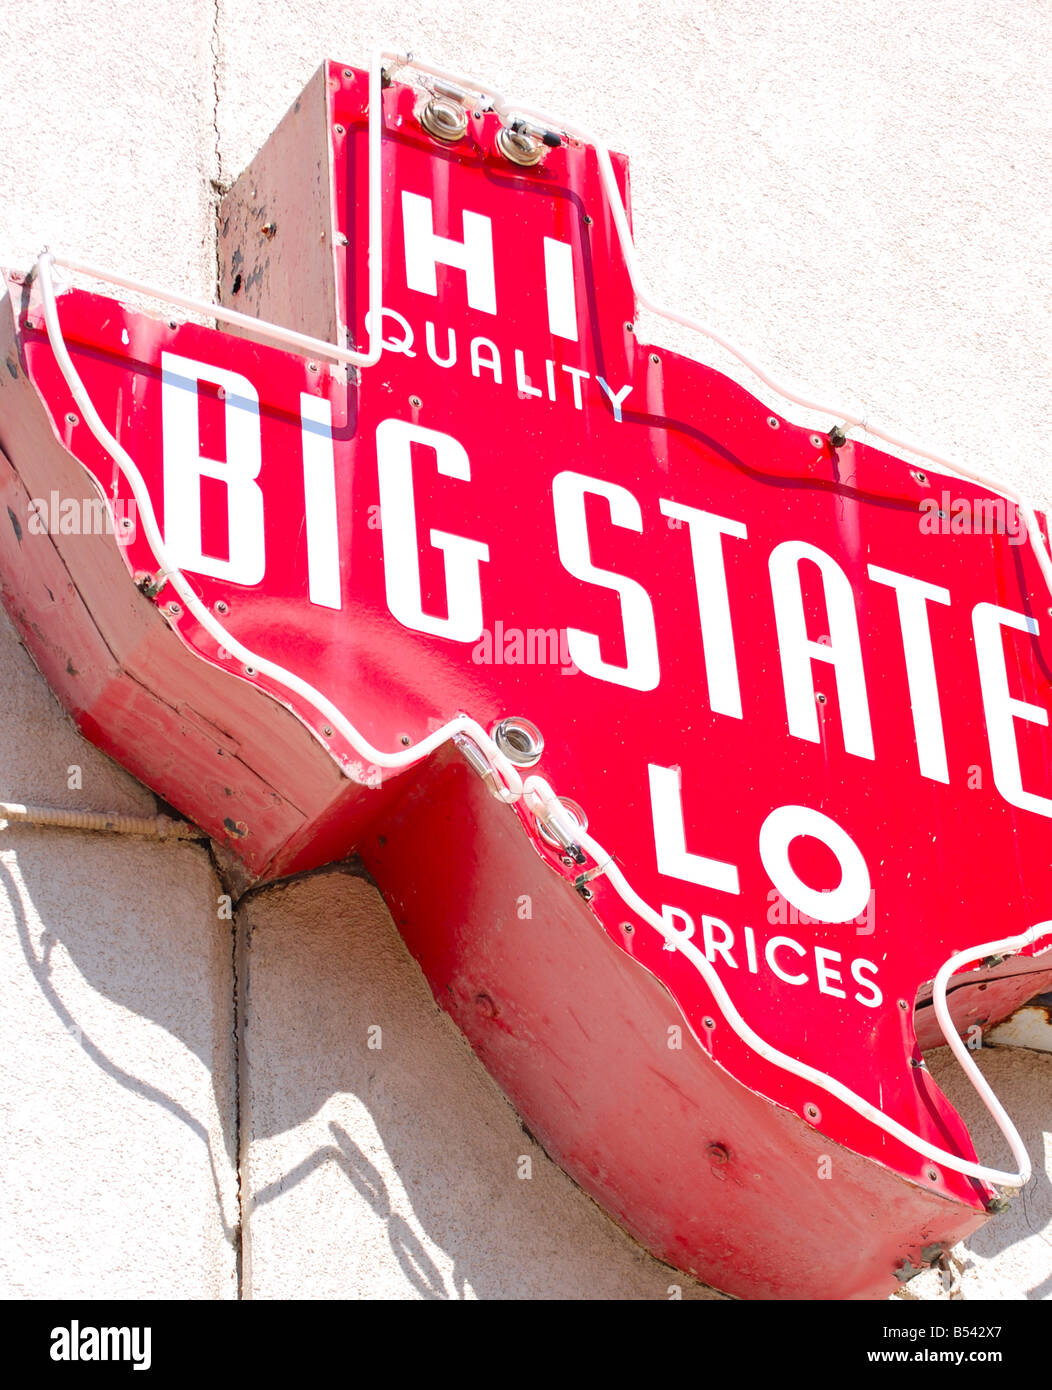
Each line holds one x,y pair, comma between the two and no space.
795,688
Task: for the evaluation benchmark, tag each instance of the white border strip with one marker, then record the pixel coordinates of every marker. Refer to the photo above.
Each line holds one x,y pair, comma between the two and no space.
539,797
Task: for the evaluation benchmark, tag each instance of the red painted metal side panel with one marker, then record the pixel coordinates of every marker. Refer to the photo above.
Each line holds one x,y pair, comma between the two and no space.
710,1176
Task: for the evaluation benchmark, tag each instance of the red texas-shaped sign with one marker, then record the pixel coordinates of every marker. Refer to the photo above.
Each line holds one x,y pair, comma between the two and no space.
702,759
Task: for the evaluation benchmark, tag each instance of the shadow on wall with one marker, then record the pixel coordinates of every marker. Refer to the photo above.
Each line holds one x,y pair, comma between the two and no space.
373,1136
392,1170
378,1158
1022,1081
140,950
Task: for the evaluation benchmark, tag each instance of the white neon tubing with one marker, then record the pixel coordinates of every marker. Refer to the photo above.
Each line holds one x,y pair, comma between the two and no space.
542,799
301,342
291,682
539,793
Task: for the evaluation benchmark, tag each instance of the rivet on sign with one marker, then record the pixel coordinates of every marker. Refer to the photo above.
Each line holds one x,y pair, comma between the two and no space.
520,740
175,609
587,220
444,118
126,523
655,358
312,366
414,401
773,421
933,1175
339,130
919,477
222,607
903,1004
71,419
817,441
820,698
405,740
812,1112
341,239
717,1153
249,670
630,328
347,72
627,928
708,1022
327,731
520,147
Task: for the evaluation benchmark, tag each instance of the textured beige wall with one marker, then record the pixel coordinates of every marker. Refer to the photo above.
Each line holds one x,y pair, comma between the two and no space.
859,195
118,1121
118,1174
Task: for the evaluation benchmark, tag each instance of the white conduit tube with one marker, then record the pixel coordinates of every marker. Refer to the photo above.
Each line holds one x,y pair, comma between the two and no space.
156,827
541,799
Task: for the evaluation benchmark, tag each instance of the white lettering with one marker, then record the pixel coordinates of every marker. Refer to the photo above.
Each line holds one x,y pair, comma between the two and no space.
843,653
185,467
642,670
424,251
463,557
1002,709
913,597
714,610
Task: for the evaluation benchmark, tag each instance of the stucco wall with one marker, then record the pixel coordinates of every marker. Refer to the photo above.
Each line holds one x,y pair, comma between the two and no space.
858,195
